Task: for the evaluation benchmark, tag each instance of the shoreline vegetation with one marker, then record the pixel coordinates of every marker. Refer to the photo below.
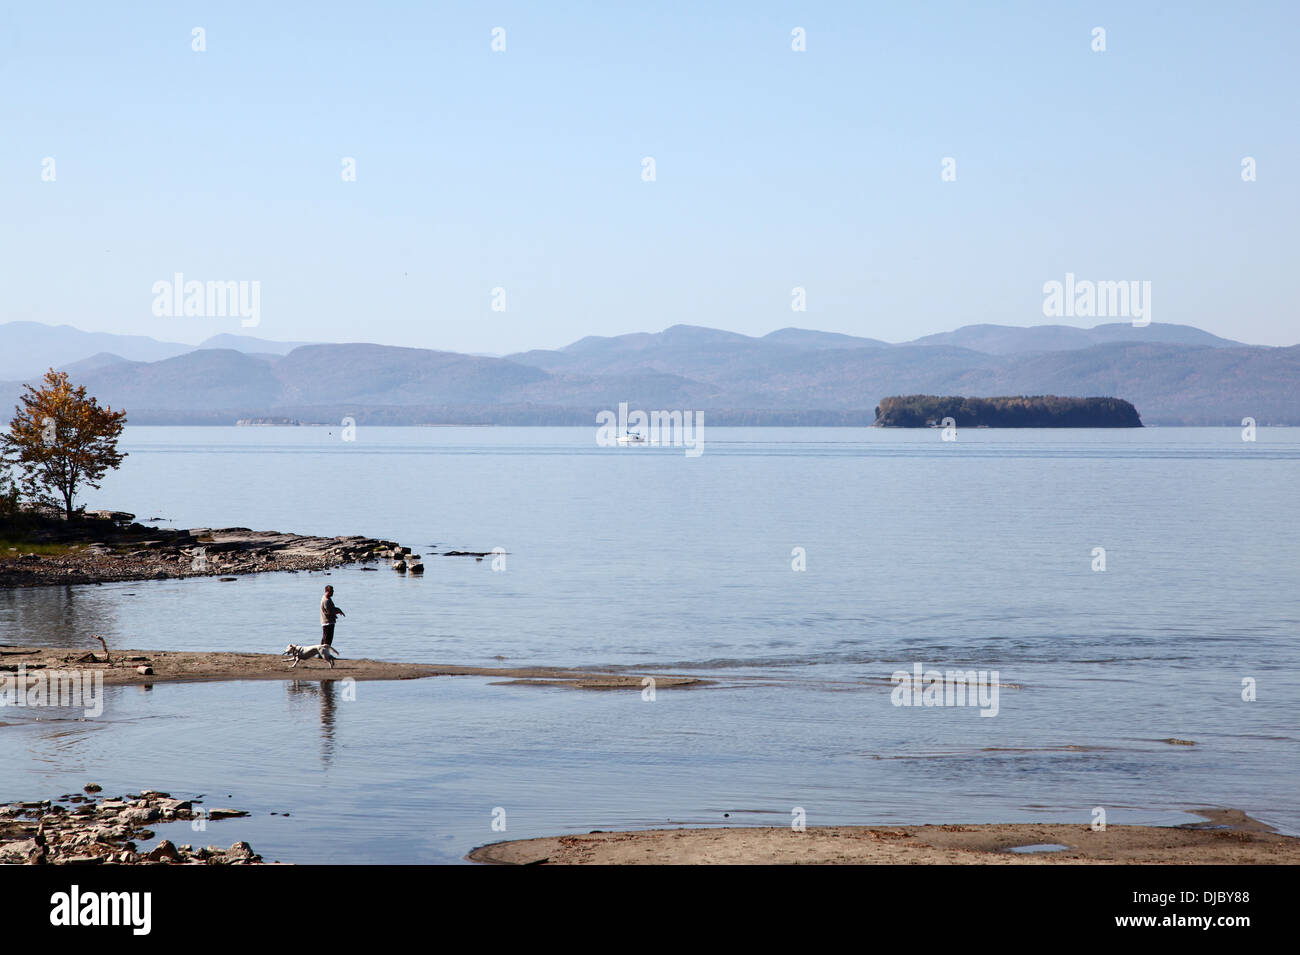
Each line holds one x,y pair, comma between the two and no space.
1228,837
1021,411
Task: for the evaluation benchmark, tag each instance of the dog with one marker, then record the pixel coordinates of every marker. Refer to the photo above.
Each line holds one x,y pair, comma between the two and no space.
322,650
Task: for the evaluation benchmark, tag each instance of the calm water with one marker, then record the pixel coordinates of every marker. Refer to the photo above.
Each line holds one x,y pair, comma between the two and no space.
975,554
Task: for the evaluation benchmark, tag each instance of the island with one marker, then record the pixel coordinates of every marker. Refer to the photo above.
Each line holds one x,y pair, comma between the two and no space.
1020,411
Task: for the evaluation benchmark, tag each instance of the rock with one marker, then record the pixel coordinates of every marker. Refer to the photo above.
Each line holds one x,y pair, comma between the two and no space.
241,850
226,813
138,817
416,568
21,852
108,834
399,566
165,851
117,517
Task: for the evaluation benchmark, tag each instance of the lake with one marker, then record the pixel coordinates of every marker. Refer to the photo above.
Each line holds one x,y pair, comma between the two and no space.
975,554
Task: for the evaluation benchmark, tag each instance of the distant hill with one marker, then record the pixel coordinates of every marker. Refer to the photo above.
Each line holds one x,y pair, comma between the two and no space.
250,345
1009,339
807,338
194,381
27,349
101,360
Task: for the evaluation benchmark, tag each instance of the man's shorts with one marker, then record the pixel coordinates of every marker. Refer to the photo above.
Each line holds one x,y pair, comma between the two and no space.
327,634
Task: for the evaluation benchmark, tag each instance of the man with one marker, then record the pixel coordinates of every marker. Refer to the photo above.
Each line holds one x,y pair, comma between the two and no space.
328,614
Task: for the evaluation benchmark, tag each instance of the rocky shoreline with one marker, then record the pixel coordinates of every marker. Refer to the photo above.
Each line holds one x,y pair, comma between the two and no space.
78,829
110,546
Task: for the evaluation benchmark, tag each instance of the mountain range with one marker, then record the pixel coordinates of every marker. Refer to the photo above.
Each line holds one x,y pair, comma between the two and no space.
1174,374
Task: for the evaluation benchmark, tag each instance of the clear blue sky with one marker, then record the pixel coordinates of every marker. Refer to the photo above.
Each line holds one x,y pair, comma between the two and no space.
522,169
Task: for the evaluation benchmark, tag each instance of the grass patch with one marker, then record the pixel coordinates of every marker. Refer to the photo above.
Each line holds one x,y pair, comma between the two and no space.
12,548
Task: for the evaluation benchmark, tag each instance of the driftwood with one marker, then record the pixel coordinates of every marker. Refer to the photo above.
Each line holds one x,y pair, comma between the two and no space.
107,658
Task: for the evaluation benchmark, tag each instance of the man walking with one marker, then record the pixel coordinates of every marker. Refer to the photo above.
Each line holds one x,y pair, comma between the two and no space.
328,614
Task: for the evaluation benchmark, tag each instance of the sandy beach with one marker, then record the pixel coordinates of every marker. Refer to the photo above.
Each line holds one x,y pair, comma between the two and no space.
1229,837
170,666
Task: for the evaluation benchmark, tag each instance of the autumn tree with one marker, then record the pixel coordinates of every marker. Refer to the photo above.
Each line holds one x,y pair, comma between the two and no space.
61,441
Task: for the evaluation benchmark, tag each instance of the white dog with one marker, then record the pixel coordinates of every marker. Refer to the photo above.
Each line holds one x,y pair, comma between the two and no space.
322,650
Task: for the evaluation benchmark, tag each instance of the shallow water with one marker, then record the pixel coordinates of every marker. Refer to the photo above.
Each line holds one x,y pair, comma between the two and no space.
974,555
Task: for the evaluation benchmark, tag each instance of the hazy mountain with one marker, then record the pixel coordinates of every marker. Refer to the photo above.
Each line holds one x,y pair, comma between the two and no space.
28,349
77,369
807,338
387,375
1008,339
250,345
794,376
206,379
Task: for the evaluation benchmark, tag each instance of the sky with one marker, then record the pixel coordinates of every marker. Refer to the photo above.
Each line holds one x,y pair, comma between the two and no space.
523,169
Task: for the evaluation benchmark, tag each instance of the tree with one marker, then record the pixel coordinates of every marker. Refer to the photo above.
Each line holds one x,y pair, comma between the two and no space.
61,441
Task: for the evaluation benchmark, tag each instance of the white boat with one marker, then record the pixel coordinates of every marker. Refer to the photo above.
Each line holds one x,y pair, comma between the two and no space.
631,437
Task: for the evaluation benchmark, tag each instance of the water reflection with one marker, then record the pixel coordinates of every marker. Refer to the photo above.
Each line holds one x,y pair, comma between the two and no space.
300,694
59,616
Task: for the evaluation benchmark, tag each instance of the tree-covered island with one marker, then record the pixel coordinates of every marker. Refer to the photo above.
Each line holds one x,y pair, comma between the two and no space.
1020,411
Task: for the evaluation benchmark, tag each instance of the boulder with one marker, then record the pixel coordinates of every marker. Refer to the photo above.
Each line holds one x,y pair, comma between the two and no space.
241,851
226,813
137,817
117,517
165,851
